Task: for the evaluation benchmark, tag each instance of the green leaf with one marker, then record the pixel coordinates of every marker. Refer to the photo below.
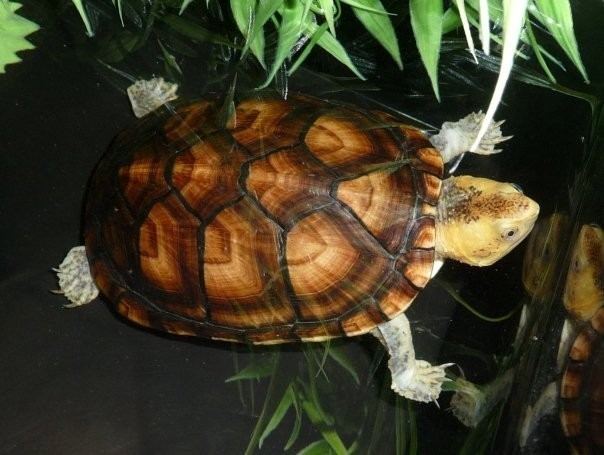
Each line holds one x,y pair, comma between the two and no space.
556,16
426,21
13,30
329,43
361,5
244,13
320,447
286,402
297,423
290,30
183,7
314,39
316,416
82,11
451,21
258,369
342,359
119,10
328,8
169,58
379,25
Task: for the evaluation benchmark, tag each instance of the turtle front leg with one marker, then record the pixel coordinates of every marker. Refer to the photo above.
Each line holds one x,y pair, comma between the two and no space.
456,138
411,378
75,280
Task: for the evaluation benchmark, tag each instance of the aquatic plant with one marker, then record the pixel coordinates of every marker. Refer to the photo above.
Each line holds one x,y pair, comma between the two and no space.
13,30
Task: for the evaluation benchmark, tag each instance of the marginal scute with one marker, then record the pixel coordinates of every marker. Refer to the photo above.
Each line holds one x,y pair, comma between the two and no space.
398,295
428,159
430,188
418,267
571,423
194,120
361,321
118,231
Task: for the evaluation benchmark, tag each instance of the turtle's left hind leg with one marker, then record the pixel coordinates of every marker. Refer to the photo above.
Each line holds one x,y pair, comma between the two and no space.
414,379
75,280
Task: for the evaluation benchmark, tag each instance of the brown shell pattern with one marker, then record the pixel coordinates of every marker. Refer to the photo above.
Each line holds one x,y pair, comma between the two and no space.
296,220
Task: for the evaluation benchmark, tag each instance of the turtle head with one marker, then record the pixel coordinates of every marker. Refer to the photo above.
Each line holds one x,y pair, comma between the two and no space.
482,220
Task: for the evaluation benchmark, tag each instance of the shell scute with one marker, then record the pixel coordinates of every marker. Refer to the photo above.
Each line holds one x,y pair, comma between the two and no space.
289,184
334,264
262,126
348,142
381,200
207,174
168,253
142,180
191,122
243,279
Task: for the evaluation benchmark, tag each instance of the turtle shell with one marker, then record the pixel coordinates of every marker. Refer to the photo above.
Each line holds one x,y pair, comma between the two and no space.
582,384
289,220
582,389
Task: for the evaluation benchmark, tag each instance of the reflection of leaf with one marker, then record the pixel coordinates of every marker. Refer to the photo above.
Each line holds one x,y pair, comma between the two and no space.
261,368
320,447
338,354
13,30
286,402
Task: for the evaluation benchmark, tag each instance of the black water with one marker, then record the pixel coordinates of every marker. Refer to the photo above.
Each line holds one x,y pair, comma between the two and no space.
83,381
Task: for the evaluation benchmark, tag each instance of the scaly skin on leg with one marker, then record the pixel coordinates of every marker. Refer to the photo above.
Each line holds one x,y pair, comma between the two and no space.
75,280
411,378
455,138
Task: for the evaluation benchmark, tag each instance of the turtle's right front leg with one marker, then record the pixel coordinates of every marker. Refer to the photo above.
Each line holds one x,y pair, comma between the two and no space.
414,379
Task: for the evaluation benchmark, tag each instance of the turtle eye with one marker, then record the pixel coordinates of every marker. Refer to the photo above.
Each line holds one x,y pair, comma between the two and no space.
517,188
509,233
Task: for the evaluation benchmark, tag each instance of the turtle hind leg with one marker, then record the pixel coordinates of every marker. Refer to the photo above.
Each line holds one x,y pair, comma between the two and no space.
75,280
414,379
456,138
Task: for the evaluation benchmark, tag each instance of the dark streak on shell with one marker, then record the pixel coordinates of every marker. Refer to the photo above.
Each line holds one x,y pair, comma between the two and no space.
301,220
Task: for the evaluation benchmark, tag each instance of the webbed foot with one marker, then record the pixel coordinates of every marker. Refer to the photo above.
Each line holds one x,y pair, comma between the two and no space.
146,96
75,280
456,138
414,379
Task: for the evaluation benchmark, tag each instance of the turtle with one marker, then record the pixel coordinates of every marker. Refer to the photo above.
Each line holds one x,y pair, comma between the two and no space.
577,392
582,381
287,220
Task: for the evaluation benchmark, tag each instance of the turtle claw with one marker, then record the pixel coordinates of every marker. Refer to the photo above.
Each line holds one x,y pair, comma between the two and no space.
75,280
414,379
146,96
422,383
456,138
